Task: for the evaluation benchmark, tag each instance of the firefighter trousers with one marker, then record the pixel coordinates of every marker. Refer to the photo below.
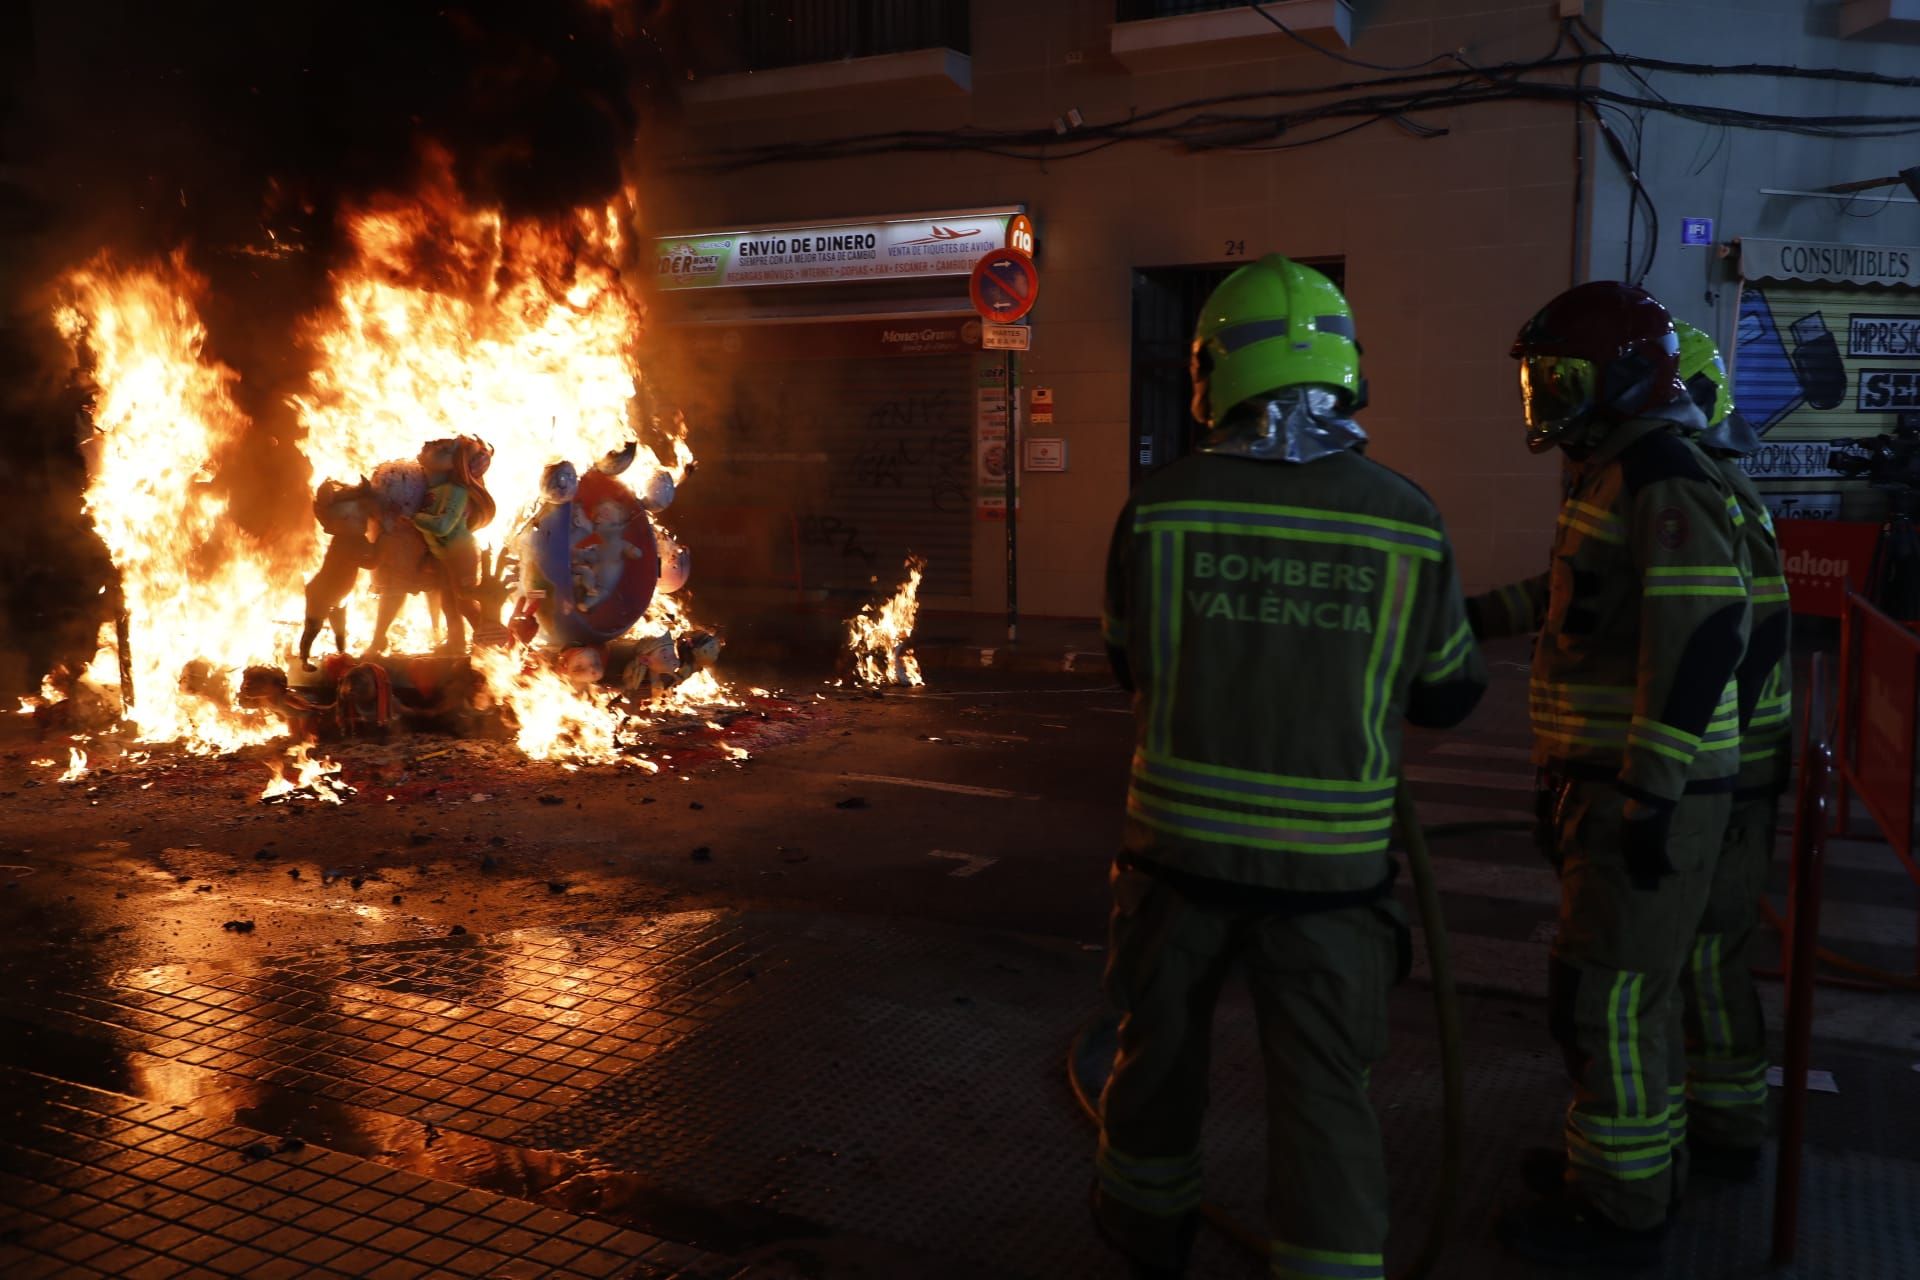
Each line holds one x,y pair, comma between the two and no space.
1614,997
1319,983
1726,1076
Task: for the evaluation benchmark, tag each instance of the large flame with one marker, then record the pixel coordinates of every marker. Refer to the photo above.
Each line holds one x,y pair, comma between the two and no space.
452,320
199,590
448,320
878,635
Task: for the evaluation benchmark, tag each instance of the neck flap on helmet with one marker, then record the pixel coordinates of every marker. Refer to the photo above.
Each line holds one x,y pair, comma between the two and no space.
1733,436
1295,424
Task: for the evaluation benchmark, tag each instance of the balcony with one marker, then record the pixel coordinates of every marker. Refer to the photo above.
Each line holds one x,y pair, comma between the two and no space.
1170,35
829,54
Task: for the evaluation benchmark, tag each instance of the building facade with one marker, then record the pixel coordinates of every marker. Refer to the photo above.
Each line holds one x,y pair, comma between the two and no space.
851,394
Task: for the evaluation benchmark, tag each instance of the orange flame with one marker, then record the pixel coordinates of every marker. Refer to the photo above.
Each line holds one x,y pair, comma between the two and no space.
305,776
191,579
449,320
879,634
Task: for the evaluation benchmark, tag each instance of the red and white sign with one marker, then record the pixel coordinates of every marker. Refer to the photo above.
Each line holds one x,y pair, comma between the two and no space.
1004,286
1821,557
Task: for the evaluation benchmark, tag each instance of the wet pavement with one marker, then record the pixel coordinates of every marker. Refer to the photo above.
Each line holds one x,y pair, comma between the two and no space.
804,1013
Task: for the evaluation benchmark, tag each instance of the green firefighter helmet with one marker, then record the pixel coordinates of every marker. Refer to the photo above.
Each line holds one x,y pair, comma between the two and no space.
1703,373
1270,325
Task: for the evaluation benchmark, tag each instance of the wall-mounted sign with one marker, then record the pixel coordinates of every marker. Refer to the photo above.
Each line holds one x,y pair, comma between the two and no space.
1040,404
1829,263
882,249
1020,233
990,438
1697,232
1006,337
1790,460
1046,454
1804,506
1821,558
1004,286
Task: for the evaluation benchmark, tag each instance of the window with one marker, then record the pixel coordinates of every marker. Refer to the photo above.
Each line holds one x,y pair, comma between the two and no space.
791,33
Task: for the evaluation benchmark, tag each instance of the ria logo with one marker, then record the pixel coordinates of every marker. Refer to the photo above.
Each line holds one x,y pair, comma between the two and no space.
942,234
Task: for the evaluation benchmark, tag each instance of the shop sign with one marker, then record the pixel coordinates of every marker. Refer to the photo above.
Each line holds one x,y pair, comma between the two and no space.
1789,460
883,249
1020,233
1829,263
1814,366
1803,506
1821,557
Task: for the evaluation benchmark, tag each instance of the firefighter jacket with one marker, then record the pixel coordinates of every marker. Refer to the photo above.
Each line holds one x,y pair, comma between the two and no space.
1765,676
1766,673
1646,621
1276,621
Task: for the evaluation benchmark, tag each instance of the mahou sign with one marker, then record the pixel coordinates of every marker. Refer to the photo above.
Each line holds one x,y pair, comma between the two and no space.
1821,557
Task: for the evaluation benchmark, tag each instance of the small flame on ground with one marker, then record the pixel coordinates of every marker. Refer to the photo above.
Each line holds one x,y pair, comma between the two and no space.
76,765
878,635
305,776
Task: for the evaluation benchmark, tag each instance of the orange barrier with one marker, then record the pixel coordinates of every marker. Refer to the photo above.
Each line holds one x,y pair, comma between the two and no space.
1802,941
1879,685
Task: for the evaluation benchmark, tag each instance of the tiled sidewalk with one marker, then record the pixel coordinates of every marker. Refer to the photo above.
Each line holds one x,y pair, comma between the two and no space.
111,1186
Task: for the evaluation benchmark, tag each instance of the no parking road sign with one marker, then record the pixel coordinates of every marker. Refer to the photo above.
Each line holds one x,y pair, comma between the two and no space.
1004,286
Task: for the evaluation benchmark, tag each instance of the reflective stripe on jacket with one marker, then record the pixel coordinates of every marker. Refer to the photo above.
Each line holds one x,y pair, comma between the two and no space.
1279,620
1766,673
1646,620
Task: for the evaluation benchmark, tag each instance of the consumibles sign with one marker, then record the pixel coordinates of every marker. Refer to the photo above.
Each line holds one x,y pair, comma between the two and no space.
886,249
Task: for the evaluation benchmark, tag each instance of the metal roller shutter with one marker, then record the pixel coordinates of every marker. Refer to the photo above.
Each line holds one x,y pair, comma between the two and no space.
874,458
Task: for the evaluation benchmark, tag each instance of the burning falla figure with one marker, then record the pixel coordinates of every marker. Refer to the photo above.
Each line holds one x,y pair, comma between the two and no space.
345,512
458,506
429,510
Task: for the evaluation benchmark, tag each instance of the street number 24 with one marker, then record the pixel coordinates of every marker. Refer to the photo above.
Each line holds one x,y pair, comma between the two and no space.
1236,249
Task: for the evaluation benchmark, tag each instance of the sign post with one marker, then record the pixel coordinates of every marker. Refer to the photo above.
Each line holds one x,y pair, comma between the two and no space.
1004,288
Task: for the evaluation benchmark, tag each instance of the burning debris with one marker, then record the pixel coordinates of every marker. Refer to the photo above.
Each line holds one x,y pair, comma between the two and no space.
878,635
76,765
305,777
466,358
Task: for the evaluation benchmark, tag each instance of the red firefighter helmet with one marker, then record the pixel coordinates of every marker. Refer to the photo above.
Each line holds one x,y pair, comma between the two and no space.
1601,350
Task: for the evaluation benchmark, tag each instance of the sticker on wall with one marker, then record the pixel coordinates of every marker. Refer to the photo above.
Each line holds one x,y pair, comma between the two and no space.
1697,232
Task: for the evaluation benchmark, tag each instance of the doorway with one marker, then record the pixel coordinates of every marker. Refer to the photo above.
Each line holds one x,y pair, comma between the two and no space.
1166,306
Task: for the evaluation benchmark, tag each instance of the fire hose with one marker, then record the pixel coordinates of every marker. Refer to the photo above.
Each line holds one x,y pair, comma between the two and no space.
1446,1008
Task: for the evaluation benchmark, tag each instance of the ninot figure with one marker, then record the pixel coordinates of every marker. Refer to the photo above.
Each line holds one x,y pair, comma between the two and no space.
458,506
344,512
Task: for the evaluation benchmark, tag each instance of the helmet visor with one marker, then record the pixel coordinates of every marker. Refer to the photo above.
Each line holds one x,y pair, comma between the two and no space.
1556,394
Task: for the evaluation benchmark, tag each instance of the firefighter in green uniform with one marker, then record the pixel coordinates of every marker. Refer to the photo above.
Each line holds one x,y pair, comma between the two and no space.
1726,1077
1278,603
1636,715
1721,1077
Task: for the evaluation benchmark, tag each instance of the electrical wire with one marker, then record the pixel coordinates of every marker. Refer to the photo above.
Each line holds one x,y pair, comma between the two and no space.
1337,56
1196,125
